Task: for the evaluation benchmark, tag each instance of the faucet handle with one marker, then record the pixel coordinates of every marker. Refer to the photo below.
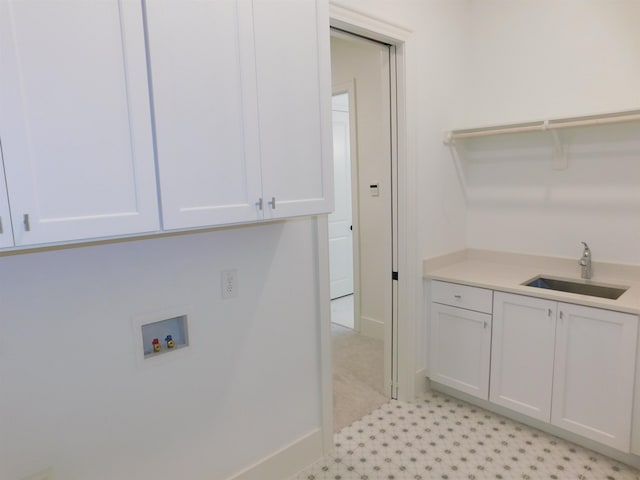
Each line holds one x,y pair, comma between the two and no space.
586,248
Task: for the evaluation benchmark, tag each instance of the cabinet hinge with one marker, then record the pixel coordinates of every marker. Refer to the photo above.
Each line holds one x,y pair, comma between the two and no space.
394,275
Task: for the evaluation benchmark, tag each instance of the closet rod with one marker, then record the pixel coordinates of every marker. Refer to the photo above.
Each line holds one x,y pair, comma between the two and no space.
543,126
595,121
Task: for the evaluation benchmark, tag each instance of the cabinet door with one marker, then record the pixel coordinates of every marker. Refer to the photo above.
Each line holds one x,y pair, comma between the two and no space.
75,120
522,349
593,373
6,232
460,349
294,100
204,94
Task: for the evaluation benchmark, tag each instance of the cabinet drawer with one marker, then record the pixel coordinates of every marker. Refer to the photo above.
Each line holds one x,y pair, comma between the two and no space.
463,296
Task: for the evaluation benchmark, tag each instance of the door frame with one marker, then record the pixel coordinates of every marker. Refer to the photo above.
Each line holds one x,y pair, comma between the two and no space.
406,288
350,89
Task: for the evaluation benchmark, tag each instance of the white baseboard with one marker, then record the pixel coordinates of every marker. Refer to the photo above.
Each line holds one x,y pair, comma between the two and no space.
286,462
370,327
422,385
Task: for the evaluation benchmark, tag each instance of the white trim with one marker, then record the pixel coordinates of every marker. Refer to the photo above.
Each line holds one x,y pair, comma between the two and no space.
410,273
354,21
287,461
324,325
373,328
409,269
422,385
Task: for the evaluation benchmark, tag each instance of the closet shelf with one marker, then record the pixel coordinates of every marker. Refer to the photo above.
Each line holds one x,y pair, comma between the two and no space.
543,125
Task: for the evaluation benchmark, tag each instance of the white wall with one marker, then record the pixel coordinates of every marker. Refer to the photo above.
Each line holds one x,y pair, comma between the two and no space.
531,60
534,59
74,397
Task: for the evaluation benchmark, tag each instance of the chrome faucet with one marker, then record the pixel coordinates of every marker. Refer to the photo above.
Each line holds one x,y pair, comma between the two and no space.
585,262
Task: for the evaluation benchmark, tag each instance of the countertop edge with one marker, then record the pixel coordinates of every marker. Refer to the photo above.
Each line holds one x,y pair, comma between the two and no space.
506,273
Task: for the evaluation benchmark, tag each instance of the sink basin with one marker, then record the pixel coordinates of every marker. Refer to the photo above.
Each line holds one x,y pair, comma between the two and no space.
571,286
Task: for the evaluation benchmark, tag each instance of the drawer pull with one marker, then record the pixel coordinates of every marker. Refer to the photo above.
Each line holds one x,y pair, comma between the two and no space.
457,297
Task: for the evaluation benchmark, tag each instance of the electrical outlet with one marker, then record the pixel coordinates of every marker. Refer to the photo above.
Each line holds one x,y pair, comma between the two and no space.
43,475
229,283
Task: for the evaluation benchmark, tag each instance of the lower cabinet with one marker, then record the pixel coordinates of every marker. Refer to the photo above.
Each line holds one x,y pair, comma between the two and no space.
522,350
593,373
460,346
567,364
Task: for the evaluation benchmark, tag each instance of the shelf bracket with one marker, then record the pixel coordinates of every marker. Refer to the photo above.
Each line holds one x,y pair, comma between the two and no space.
559,151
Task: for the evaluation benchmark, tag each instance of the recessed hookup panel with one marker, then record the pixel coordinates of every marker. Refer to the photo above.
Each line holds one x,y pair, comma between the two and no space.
165,336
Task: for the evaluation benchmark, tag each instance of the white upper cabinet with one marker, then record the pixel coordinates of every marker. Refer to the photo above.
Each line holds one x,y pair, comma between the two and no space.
6,232
75,120
204,93
242,109
294,104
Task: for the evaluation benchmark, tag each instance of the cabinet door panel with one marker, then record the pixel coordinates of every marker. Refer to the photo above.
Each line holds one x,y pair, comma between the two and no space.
593,373
203,76
460,349
293,76
522,349
75,120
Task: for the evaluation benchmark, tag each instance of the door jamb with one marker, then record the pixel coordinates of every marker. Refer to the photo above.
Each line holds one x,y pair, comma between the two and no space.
400,37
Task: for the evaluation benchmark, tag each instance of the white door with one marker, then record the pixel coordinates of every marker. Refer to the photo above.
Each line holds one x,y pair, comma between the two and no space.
6,232
340,221
294,104
460,349
75,120
204,91
522,347
594,372
366,65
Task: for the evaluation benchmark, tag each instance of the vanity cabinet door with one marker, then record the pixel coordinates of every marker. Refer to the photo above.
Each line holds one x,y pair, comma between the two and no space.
75,120
522,349
460,349
593,373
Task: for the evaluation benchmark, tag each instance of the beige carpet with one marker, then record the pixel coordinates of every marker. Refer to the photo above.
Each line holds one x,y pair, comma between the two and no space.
358,376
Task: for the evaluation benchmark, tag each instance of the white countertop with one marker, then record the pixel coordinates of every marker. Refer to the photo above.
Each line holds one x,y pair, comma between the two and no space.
508,271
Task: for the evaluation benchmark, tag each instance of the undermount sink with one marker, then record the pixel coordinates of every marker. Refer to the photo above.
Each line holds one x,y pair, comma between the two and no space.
571,286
